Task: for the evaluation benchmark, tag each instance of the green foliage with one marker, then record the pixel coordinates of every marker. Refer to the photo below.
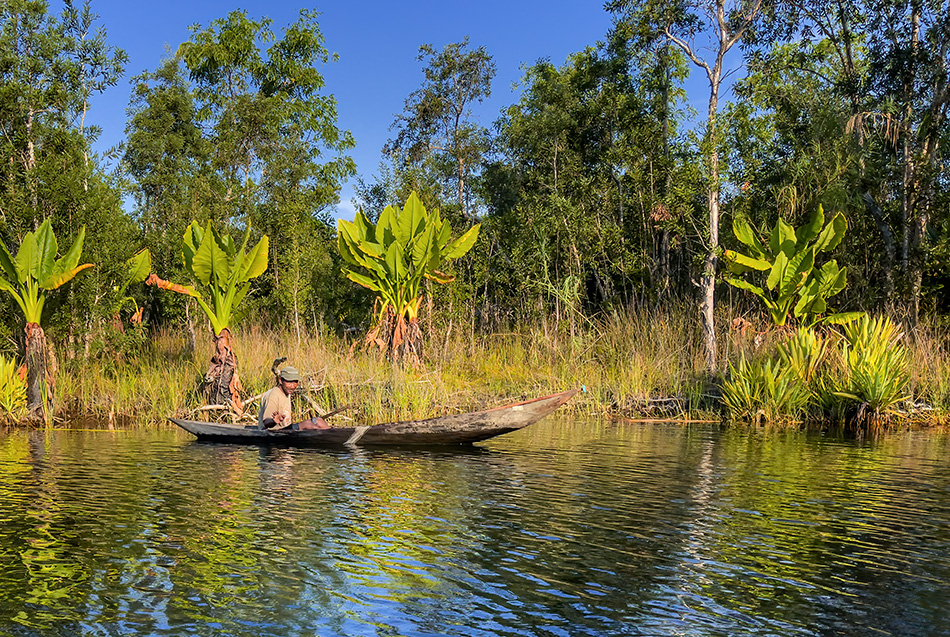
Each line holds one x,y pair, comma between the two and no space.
222,268
137,269
877,364
12,391
793,284
404,247
764,389
436,131
804,354
864,379
36,270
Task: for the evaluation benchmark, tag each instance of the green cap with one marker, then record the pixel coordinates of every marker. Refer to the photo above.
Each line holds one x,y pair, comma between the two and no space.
290,373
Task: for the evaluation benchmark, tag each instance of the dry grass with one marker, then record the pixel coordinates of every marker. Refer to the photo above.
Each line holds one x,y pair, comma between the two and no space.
620,360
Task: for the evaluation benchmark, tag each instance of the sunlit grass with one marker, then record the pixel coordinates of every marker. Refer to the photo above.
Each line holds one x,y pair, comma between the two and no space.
621,360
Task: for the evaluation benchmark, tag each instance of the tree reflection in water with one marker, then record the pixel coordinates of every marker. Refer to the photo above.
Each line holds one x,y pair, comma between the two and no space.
579,528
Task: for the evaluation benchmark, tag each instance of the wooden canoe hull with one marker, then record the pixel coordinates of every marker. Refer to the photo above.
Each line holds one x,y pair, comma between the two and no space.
443,430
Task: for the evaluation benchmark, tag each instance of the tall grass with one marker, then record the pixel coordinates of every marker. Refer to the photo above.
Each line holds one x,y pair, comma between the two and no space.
12,392
636,354
621,359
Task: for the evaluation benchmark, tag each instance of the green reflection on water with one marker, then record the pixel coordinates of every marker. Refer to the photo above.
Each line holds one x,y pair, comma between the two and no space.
586,527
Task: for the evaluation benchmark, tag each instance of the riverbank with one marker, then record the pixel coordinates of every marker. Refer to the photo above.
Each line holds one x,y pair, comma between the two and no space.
632,365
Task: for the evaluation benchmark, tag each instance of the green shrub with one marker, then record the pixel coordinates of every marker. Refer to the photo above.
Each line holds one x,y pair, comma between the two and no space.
876,363
767,390
12,392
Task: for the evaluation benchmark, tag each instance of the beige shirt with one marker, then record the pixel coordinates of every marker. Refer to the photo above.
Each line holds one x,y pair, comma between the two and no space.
274,400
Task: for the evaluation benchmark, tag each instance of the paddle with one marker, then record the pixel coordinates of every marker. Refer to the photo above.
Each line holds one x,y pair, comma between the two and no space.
335,411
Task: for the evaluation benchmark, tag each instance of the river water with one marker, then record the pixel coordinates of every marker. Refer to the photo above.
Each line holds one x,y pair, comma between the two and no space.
567,528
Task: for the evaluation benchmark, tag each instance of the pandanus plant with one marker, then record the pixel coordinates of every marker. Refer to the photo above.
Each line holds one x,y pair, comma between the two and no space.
794,284
393,258
28,278
224,271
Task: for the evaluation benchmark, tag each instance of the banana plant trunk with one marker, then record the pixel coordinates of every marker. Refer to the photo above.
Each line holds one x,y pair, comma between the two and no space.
398,337
222,385
39,385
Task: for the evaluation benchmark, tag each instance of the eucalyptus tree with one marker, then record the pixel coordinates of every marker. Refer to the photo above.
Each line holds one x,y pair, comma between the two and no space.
437,128
567,221
270,152
696,26
910,86
889,65
50,65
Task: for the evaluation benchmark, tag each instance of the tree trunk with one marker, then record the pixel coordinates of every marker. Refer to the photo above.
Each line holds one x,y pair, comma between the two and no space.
890,251
39,383
708,280
221,385
398,338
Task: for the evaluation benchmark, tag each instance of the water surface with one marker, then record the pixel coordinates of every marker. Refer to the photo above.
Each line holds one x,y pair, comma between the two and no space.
566,528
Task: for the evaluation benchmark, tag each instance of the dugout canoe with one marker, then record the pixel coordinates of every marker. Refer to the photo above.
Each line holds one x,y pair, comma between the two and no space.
442,430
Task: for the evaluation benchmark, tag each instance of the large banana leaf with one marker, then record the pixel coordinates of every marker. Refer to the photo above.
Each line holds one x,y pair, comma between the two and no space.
742,284
832,234
57,279
26,258
255,264
783,239
811,229
139,266
210,264
740,264
463,244
8,264
746,234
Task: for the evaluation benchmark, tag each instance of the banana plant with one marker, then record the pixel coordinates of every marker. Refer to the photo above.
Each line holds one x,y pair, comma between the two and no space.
137,269
224,271
393,258
793,286
28,278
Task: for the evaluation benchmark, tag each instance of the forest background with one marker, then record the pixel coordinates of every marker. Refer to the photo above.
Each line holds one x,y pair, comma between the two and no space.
605,198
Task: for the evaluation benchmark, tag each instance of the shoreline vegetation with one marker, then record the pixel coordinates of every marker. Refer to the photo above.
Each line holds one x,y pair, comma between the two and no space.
640,365
595,196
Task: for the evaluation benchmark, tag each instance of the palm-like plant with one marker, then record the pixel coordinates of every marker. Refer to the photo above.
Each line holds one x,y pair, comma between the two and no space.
28,277
877,367
393,258
137,269
224,271
794,284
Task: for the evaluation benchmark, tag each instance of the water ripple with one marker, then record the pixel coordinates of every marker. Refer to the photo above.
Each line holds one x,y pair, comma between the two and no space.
568,528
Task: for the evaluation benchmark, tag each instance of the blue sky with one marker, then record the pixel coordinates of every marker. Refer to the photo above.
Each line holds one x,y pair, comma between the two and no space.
377,43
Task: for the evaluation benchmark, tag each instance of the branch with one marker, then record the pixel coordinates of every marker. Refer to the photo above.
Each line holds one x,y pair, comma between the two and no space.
745,25
687,49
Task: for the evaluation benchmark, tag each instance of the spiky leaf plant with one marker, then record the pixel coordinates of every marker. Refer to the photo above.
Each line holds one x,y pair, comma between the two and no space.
764,390
877,367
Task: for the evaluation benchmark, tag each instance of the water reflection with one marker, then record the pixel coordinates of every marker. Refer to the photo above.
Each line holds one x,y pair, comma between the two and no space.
567,528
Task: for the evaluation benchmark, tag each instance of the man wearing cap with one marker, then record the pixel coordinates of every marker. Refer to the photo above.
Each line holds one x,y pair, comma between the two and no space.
275,412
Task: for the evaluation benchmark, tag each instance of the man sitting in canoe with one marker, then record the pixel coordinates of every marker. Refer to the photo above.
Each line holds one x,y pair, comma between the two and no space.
276,411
